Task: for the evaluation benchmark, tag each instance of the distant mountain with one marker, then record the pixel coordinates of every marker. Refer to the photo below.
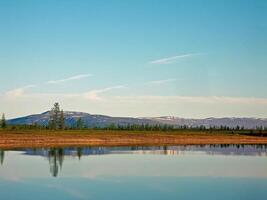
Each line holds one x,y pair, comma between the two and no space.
211,122
103,120
72,117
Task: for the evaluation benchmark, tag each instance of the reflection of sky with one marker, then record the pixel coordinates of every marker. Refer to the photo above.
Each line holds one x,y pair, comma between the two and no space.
195,162
193,174
132,188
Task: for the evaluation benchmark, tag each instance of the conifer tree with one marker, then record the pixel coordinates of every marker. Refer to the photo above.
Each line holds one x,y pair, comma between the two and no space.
80,123
62,120
3,121
54,122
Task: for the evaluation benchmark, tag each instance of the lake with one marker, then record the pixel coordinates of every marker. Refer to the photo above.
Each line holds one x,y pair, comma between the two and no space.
164,172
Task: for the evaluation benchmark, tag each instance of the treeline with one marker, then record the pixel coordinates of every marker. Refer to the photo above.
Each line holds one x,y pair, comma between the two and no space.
166,127
138,127
81,125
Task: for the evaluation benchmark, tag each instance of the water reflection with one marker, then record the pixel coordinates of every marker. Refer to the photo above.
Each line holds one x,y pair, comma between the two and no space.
79,152
224,149
2,156
56,156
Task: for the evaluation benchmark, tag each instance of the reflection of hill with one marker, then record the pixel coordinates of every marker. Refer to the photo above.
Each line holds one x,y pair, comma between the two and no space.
56,156
226,149
165,150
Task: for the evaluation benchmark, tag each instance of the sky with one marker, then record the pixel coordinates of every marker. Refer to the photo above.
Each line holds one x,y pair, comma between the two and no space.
184,58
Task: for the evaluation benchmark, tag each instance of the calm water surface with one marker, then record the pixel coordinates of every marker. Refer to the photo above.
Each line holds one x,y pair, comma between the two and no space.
175,172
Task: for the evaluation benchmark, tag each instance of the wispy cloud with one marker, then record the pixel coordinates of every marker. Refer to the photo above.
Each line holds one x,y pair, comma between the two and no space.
160,82
19,91
170,60
94,94
197,99
77,77
99,101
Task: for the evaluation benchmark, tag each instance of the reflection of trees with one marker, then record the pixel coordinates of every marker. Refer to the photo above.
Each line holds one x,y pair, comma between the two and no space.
165,148
55,157
79,152
2,156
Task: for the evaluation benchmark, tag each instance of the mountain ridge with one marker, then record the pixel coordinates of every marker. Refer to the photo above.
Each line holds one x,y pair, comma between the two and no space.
92,120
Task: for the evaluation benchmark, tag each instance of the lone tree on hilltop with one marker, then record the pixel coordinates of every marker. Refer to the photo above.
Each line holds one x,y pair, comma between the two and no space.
57,120
3,121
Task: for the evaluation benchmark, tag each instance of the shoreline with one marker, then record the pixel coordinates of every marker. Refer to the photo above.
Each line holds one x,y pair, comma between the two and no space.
42,139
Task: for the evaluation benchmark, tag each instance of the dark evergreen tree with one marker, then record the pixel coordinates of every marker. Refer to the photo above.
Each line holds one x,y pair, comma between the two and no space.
54,122
62,120
3,121
80,124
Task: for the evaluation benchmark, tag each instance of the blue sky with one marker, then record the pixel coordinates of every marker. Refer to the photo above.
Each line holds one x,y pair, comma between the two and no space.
134,58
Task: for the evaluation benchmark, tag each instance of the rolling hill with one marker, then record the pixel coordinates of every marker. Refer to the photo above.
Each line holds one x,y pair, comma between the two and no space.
103,120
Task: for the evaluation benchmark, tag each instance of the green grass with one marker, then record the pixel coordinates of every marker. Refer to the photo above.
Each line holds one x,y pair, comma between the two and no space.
137,132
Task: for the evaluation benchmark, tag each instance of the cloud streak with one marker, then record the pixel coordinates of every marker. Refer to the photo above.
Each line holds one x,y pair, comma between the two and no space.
100,102
194,99
170,60
19,91
160,82
77,77
94,94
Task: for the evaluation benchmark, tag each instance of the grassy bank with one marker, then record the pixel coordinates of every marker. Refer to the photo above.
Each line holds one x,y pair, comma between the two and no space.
48,138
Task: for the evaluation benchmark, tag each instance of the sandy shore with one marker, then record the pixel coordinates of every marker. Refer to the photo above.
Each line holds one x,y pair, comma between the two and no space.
21,139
